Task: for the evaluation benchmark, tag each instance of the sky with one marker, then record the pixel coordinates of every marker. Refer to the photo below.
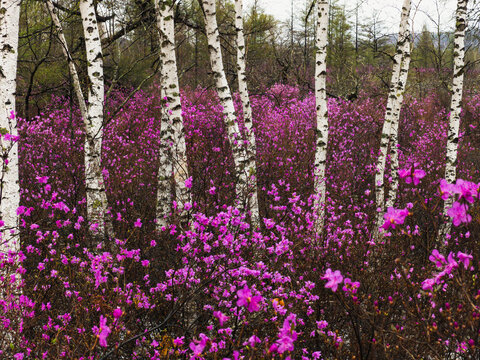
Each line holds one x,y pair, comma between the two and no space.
388,11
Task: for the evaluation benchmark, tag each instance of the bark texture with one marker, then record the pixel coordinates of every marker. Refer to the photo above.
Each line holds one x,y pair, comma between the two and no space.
321,109
251,167
173,159
401,85
391,111
71,65
10,191
96,196
455,104
240,156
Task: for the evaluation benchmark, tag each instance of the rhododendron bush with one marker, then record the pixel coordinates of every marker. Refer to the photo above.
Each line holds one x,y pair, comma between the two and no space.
212,287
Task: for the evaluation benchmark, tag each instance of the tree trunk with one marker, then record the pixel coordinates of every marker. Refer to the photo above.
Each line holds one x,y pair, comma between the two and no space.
390,112
230,120
174,153
455,105
322,109
251,167
96,196
10,191
401,85
71,65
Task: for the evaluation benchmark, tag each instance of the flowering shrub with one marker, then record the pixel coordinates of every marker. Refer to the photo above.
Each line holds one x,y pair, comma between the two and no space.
215,287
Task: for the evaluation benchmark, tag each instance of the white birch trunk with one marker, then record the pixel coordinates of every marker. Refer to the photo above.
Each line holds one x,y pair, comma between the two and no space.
389,113
401,85
455,104
96,196
322,109
173,157
10,190
71,65
251,167
215,52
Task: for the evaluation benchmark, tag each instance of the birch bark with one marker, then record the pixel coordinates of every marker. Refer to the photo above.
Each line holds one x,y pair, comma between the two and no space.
390,113
251,167
10,191
455,104
173,159
321,109
401,85
71,65
215,53
96,196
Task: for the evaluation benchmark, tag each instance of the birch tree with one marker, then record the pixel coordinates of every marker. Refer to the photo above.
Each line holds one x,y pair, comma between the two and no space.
173,157
391,111
71,65
10,191
230,120
251,167
321,108
455,103
400,91
96,196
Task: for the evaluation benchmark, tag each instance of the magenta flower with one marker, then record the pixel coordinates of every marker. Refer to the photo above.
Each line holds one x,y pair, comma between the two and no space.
334,278
446,189
412,175
394,217
437,258
117,313
222,318
458,213
428,284
245,298
178,341
466,189
287,335
103,332
464,258
138,223
42,179
198,346
350,286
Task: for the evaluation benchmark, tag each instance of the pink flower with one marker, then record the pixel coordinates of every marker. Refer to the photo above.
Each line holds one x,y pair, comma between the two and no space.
252,341
334,278
466,189
464,258
394,217
287,335
428,284
351,286
104,332
437,258
18,356
446,189
117,313
178,341
246,299
269,223
458,213
138,223
222,318
198,346
412,174
188,182
42,179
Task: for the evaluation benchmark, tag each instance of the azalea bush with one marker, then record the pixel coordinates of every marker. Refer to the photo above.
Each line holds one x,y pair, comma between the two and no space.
213,287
